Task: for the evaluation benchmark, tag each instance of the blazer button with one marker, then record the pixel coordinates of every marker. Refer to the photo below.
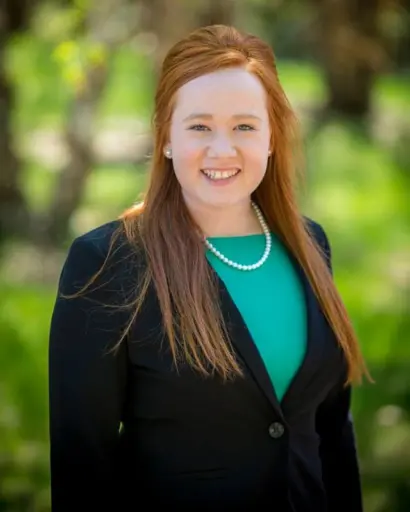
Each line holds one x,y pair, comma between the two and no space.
276,430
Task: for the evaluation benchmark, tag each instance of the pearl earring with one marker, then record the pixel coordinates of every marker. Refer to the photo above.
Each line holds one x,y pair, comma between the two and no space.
168,152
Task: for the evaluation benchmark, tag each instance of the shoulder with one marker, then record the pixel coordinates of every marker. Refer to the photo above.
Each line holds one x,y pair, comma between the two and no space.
317,232
104,250
99,239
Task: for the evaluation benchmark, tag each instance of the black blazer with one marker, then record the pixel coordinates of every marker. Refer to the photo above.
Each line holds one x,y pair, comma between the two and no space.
128,432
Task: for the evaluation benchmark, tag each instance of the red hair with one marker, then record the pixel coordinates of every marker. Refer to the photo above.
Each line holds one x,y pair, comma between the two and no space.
163,226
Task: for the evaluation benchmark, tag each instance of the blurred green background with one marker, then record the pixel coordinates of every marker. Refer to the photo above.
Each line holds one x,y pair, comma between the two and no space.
76,91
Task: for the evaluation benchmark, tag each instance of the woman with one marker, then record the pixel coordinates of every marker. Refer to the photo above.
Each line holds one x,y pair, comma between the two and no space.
200,354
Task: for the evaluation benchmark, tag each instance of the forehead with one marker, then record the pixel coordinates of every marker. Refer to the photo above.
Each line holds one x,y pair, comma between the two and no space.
224,91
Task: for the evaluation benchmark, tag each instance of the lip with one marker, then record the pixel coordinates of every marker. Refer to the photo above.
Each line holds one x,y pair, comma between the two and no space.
221,169
221,182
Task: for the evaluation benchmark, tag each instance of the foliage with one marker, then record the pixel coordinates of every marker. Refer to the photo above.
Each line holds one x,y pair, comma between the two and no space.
24,317
357,187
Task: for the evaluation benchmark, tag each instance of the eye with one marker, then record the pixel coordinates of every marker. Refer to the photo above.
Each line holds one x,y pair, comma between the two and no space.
198,127
245,127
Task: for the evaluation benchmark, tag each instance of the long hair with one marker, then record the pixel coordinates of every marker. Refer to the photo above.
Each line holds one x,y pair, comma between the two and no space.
162,226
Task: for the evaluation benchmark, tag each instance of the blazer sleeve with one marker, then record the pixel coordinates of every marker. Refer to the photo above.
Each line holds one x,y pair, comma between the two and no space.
86,388
335,426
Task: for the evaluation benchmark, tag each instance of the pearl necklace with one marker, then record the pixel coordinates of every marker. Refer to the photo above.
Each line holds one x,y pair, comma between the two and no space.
265,255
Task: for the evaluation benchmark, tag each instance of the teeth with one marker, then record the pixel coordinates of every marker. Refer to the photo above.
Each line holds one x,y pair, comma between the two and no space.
219,175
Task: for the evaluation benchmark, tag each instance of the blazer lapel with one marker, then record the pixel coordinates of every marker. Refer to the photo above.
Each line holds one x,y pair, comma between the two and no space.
314,337
244,344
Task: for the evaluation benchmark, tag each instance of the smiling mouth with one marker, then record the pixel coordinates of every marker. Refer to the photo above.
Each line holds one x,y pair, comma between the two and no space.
216,175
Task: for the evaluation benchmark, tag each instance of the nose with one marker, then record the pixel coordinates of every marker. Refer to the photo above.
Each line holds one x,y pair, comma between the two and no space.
221,146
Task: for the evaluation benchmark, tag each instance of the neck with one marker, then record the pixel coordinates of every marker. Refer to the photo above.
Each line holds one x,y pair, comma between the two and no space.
238,219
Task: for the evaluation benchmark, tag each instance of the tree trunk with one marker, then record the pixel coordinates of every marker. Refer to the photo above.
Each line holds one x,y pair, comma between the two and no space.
168,20
79,130
13,208
73,176
217,12
14,215
351,48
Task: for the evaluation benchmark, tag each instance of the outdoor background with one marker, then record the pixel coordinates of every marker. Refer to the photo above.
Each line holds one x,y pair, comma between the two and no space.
76,91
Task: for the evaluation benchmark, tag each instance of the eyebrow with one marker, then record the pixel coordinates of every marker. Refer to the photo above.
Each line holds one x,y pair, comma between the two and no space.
200,115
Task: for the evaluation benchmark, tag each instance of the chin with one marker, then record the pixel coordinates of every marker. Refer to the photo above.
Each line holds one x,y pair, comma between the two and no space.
223,199
228,200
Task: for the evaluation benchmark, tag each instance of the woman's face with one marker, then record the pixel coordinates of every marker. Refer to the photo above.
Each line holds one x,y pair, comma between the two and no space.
220,137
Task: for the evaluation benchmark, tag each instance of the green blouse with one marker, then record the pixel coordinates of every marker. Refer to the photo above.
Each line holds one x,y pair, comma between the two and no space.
271,301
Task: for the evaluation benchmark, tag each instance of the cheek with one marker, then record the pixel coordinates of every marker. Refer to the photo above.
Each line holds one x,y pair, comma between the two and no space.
256,156
254,143
186,160
185,149
185,155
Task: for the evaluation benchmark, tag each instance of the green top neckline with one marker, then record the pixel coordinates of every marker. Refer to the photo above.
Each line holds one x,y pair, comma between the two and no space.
235,237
